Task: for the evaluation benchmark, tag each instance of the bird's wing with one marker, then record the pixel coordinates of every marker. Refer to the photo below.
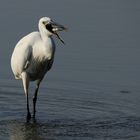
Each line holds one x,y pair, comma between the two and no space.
27,62
25,49
22,54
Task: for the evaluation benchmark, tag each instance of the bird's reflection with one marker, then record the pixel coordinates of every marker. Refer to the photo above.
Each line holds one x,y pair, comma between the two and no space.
28,131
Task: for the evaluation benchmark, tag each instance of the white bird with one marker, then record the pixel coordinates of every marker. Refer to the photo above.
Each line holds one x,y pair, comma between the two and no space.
33,56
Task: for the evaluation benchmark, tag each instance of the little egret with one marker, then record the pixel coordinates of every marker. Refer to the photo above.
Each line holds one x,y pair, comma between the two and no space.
33,56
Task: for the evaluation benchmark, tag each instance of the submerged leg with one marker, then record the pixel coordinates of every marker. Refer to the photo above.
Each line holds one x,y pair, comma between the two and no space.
35,98
25,81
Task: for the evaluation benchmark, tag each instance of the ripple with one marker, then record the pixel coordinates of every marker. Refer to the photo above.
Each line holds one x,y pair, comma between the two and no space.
127,127
68,114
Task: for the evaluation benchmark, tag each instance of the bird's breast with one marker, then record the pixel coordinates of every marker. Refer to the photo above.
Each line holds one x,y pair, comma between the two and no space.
37,68
42,57
44,50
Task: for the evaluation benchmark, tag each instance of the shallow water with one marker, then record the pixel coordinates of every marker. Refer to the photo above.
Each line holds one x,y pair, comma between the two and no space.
92,91
70,114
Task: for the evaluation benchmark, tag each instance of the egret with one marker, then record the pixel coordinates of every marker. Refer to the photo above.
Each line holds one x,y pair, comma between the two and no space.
33,56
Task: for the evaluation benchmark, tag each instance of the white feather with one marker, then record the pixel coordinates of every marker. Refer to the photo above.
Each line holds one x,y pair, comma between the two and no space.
34,54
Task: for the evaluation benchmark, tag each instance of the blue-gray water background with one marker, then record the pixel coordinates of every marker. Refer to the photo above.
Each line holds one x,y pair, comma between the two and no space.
93,89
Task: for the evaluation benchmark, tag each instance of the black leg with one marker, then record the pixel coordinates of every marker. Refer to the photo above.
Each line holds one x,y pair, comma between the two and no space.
35,99
28,110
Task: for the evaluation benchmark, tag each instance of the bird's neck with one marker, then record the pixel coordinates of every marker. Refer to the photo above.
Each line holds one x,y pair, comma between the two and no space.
45,35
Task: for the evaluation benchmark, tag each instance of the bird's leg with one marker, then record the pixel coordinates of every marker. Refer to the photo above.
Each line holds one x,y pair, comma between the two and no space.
25,81
35,98
28,110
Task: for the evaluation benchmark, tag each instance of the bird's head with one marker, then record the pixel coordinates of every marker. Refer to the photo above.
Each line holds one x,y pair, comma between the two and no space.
50,27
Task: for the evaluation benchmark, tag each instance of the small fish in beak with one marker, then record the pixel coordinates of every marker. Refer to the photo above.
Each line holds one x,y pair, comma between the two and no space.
54,28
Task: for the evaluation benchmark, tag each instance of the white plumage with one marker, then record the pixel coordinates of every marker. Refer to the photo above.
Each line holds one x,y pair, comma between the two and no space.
33,56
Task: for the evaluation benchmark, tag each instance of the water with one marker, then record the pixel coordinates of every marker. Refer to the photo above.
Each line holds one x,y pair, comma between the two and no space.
92,91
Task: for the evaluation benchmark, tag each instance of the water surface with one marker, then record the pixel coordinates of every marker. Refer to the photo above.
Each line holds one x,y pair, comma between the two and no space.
92,91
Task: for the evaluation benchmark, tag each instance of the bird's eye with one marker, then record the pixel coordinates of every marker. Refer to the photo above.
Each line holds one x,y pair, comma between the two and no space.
44,22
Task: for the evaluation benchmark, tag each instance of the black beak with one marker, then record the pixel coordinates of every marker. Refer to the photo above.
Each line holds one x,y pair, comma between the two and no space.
57,27
54,28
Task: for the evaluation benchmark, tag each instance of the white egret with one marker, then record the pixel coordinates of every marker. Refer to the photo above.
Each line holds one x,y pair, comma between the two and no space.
33,56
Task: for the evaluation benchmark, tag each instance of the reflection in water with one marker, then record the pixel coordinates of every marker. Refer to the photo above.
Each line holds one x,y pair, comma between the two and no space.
96,128
27,131
24,131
